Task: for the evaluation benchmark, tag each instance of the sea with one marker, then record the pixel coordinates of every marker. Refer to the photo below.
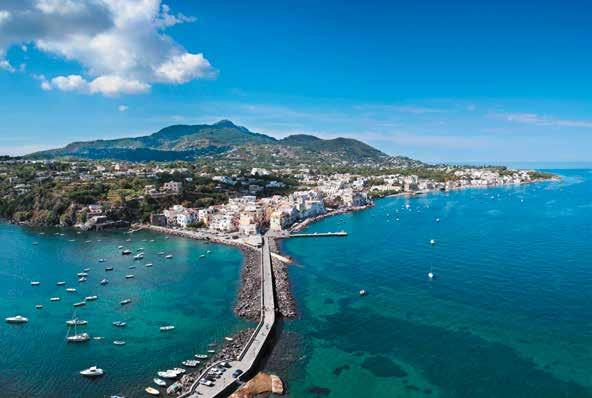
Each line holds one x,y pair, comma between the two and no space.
508,312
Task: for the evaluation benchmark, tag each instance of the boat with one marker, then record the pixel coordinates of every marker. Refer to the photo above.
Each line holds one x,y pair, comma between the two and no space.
120,247
91,298
86,270
131,267
431,275
76,322
202,256
126,252
159,382
93,371
119,342
87,241
81,274
166,328
152,391
35,243
179,371
126,301
70,290
78,338
130,276
200,356
161,253
208,251
139,256
54,299
79,304
108,268
39,306
104,282
148,265
228,339
432,241
119,324
101,260
437,220
211,351
98,338
61,283
35,283
169,374
363,292
16,319
81,280
191,363
141,249
168,256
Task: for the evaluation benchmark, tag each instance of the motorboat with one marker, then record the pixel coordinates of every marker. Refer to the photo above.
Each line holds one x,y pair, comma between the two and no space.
79,304
54,299
39,306
139,256
76,322
104,282
119,342
148,265
179,371
82,280
35,283
432,241
168,256
102,260
159,382
82,274
141,249
161,253
130,276
91,298
120,247
17,319
363,292
60,283
86,270
228,339
167,328
93,371
211,351
98,338
70,290
200,356
126,301
132,267
126,252
191,363
108,268
152,391
169,374
119,324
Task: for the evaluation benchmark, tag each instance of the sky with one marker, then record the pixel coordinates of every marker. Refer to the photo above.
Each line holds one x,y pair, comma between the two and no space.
440,81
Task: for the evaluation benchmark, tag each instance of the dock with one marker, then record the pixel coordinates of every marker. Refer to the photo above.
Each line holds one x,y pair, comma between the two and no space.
320,235
249,356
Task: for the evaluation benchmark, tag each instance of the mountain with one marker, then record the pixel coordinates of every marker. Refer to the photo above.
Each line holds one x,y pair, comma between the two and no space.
223,139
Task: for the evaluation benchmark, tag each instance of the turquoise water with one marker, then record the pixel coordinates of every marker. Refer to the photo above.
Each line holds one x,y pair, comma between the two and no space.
194,294
508,314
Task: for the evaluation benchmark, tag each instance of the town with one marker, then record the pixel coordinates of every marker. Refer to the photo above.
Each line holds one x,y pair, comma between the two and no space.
225,201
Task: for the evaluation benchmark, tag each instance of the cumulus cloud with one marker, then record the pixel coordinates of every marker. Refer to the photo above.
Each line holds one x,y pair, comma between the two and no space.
120,44
541,120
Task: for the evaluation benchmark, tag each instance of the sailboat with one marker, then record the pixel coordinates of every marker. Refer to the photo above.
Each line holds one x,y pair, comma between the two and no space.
77,338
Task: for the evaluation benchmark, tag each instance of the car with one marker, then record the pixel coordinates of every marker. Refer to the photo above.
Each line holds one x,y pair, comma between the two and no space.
237,373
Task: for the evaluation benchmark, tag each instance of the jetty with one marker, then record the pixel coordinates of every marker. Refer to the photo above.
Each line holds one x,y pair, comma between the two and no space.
247,360
319,235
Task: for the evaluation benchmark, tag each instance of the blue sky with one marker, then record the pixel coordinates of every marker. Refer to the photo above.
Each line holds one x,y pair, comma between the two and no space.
438,81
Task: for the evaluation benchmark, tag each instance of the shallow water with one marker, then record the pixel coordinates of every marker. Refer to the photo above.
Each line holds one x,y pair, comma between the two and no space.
194,294
508,314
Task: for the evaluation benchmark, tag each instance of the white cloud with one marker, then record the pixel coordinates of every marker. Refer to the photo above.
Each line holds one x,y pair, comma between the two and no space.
70,83
540,120
4,16
122,108
107,85
120,44
183,68
4,64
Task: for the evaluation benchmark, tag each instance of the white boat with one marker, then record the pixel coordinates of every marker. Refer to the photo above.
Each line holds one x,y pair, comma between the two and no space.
139,256
166,328
179,371
130,276
101,260
35,283
437,220
432,241
119,324
119,342
86,270
35,243
208,251
159,382
98,338
200,356
169,374
126,252
431,275
148,265
363,292
202,256
141,249
228,339
104,282
211,351
39,306
76,322
93,371
79,304
54,299
81,274
16,319
61,283
108,268
70,290
152,391
120,247
161,253
91,298
126,301
132,267
191,363
81,280
78,338
168,256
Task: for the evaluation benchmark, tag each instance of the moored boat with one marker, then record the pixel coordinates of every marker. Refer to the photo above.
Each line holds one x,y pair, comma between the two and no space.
167,328
76,322
119,324
39,306
119,342
93,371
130,276
78,338
152,391
70,290
91,298
126,301
79,304
159,382
35,283
17,319
54,299
104,282
60,283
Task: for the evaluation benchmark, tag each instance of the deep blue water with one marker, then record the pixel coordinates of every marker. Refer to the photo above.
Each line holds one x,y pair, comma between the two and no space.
508,314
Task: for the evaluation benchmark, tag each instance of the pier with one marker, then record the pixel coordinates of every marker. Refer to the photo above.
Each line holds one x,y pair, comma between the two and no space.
247,359
319,235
